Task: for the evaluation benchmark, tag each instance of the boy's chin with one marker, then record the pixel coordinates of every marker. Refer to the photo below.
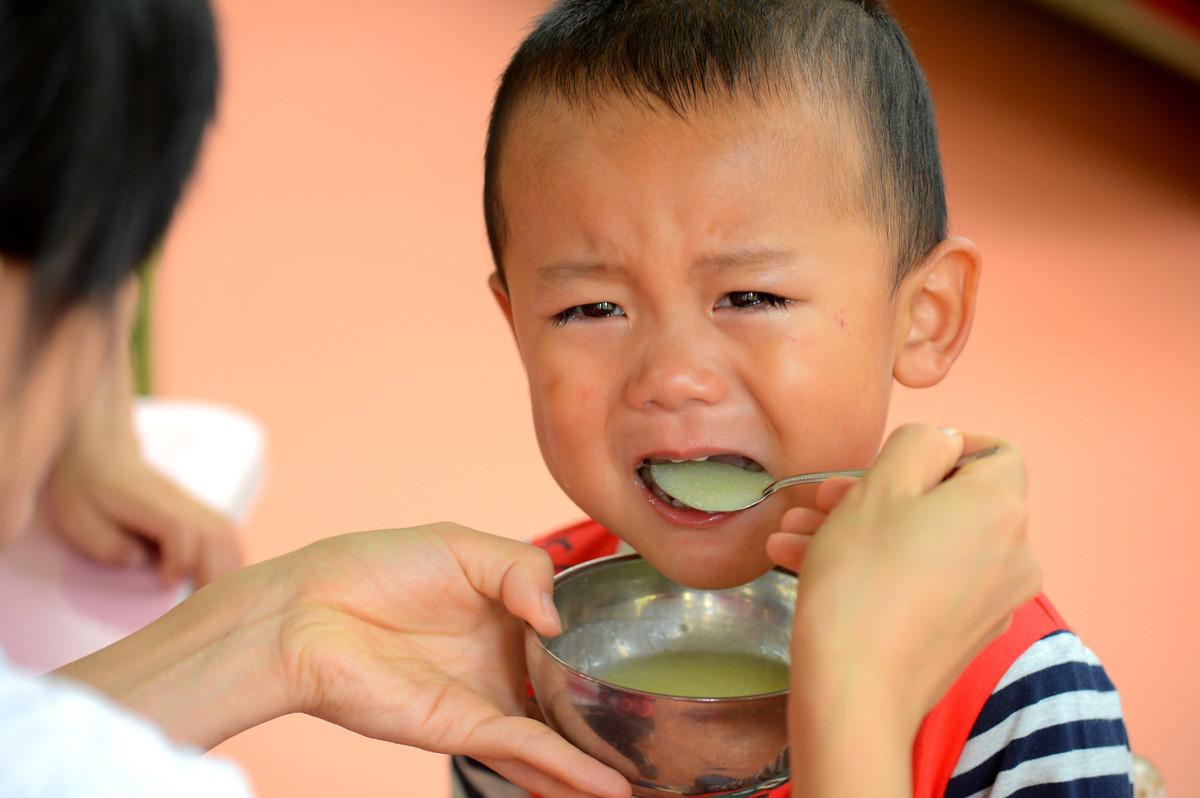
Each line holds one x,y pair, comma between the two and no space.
706,573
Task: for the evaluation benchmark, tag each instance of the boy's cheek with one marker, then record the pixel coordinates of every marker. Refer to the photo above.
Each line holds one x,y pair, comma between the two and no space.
566,404
569,419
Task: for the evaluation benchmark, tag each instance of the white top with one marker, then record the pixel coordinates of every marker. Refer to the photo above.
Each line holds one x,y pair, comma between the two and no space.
61,740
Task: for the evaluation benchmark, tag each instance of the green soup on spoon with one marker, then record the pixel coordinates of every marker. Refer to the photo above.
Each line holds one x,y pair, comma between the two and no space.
709,485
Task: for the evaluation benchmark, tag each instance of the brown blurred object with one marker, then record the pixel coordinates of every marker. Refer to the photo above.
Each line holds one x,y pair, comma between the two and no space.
1147,781
1167,31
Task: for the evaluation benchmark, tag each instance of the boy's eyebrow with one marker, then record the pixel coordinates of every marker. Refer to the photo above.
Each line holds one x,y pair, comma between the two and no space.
748,256
556,275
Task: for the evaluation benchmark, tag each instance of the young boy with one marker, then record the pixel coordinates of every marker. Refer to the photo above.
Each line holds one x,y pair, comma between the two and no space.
719,230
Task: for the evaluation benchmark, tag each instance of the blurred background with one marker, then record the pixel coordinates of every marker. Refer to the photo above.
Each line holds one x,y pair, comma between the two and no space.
327,274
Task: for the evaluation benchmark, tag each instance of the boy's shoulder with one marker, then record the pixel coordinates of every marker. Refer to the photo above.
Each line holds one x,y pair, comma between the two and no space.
949,726
1055,712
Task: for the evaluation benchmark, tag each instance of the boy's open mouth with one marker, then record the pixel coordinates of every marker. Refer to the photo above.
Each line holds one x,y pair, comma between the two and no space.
645,472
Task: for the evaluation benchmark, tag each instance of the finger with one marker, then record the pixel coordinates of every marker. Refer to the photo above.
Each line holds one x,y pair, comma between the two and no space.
528,591
179,555
801,521
517,574
542,750
156,506
161,511
539,783
97,536
915,458
219,555
219,549
788,550
832,491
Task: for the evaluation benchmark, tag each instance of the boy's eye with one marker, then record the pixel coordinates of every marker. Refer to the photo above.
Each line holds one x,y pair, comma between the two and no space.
752,299
592,310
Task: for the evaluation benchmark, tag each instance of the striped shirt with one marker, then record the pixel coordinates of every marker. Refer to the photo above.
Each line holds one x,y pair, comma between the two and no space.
1052,728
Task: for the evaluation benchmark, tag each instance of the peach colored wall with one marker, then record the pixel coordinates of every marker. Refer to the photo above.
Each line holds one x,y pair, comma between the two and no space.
327,274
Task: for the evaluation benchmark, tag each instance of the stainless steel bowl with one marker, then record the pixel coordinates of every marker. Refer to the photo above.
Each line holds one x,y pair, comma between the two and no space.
620,607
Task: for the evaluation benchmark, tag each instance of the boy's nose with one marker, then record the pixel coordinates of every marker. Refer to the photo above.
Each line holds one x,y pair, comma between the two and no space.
673,378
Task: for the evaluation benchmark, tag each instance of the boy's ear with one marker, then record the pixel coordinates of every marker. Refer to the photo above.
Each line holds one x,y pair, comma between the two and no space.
500,293
935,308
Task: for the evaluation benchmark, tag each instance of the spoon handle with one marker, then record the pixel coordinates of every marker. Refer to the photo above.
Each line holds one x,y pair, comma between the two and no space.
858,473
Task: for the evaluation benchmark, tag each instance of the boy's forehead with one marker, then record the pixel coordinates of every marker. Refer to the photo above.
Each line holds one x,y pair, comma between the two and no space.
729,163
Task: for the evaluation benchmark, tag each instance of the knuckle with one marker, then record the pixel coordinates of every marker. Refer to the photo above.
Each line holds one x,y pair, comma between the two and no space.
868,489
450,529
537,557
109,551
1008,507
915,432
1014,510
538,733
1016,460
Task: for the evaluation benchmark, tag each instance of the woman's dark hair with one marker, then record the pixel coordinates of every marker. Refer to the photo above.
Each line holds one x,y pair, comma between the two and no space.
103,105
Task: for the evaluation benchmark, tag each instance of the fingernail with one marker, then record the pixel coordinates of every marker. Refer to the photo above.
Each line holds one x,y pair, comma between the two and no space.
949,432
552,611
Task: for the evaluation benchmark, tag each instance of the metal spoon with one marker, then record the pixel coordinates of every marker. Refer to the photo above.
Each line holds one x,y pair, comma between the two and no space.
858,473
735,499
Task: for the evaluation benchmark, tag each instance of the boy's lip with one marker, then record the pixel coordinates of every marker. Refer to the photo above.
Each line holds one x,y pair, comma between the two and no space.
694,453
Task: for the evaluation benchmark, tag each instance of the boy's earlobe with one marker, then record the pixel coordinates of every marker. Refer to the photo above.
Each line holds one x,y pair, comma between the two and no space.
936,306
500,293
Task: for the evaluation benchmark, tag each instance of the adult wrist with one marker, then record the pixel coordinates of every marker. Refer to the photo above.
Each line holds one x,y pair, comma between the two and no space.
850,659
206,670
841,714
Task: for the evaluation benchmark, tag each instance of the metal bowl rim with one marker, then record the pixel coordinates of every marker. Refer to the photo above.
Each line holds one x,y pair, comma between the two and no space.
614,558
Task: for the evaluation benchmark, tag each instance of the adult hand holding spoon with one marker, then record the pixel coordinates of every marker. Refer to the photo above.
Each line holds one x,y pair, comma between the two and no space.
904,577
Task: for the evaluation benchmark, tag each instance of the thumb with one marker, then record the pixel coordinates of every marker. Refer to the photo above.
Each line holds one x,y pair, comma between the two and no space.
98,536
518,575
528,591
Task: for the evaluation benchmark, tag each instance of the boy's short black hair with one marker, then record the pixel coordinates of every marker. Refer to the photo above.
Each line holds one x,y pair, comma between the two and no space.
104,107
845,55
